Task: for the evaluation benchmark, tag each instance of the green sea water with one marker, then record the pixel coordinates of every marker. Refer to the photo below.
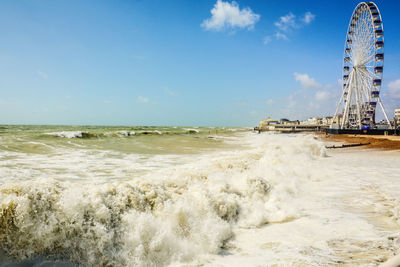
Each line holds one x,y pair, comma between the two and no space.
100,154
37,163
142,140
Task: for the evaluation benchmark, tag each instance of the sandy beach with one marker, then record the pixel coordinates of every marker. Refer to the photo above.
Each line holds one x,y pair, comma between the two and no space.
383,142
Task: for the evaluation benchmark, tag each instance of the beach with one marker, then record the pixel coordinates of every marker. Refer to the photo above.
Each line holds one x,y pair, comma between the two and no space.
194,196
383,142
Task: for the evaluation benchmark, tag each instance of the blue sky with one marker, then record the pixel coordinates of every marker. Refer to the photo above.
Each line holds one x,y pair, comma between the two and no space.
178,62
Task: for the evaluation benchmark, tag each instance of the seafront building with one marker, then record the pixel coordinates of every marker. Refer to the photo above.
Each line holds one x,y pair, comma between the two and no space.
315,123
286,125
397,117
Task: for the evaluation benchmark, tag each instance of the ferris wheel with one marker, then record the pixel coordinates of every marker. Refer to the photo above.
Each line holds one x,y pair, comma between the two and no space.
362,69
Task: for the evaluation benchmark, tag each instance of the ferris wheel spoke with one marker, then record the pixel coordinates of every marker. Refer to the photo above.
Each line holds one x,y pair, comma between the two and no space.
367,60
365,77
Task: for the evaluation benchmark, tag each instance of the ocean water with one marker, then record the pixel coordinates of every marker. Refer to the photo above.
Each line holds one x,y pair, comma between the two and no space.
182,196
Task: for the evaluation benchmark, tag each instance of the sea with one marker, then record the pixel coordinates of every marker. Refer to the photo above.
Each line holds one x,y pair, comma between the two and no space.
192,196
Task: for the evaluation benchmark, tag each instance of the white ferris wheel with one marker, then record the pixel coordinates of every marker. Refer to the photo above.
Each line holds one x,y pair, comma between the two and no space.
362,69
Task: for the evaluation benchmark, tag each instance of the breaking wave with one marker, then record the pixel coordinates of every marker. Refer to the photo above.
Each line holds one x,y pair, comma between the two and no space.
173,215
82,134
98,132
70,134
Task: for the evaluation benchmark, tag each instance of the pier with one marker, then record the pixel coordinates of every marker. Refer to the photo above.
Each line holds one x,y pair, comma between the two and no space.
287,126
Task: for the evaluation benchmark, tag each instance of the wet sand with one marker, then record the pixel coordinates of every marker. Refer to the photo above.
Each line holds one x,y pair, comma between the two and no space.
383,142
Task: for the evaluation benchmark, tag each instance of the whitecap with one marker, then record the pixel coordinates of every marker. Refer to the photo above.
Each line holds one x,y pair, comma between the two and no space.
67,134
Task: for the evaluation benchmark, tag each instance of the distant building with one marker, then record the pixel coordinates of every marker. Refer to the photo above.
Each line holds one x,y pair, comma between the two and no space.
327,120
286,125
296,122
283,121
337,119
397,116
267,123
312,121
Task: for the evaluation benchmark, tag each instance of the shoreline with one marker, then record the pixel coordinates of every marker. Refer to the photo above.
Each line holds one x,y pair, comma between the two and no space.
380,142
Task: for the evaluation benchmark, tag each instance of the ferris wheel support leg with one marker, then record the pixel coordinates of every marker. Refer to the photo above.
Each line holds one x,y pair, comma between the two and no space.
358,105
347,105
384,113
346,110
337,108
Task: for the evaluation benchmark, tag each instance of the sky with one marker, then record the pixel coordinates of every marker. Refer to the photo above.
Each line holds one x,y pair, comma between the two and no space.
189,63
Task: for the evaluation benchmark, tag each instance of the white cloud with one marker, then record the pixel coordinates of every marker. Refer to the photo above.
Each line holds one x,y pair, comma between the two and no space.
289,23
142,99
322,95
302,104
267,39
286,22
281,36
169,91
42,74
391,98
394,89
229,15
269,102
306,81
308,17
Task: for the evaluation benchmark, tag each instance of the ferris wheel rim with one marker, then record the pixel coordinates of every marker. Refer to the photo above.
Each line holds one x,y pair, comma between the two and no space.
367,4
362,69
363,61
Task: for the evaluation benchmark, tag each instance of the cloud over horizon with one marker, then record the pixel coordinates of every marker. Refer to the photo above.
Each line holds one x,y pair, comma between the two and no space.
394,89
310,100
169,91
306,81
42,74
225,15
391,97
142,99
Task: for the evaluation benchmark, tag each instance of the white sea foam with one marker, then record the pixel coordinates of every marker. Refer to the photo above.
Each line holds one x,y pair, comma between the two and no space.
68,134
124,133
348,215
276,200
